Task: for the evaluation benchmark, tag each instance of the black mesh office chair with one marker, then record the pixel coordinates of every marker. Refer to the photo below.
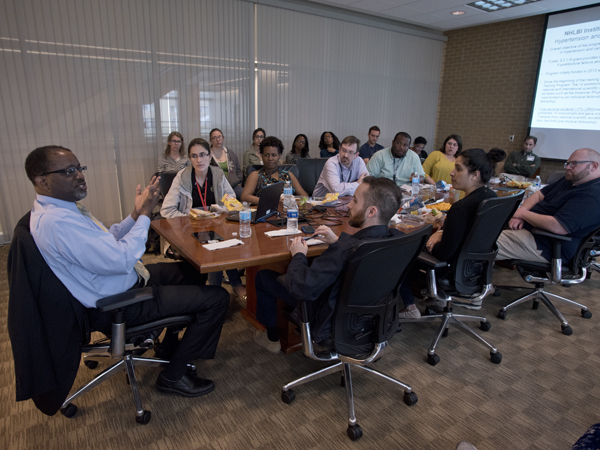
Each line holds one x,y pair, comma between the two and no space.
540,274
165,182
469,274
38,301
310,170
366,315
555,176
593,264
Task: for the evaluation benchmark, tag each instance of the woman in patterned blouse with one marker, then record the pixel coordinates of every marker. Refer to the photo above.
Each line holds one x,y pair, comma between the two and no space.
271,150
299,150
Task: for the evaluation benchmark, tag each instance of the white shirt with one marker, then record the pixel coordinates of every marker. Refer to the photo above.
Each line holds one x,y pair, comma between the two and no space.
90,262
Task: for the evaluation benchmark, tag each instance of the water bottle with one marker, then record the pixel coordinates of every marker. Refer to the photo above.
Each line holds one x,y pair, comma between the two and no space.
245,218
537,182
292,218
288,196
415,183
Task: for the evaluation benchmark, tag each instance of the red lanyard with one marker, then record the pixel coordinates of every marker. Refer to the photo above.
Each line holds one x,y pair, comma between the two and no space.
203,200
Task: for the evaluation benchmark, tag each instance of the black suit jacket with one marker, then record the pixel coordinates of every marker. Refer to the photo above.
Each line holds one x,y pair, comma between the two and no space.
46,324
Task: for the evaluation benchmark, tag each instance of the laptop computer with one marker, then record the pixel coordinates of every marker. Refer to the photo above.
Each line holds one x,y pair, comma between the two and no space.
268,203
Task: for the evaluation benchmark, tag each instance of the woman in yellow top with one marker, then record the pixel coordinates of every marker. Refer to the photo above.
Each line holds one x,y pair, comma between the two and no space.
438,165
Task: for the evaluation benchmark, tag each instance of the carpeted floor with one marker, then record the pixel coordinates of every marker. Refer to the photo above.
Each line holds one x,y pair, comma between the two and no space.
543,395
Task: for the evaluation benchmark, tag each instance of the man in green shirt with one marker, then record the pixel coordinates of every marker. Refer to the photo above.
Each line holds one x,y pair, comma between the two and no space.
524,162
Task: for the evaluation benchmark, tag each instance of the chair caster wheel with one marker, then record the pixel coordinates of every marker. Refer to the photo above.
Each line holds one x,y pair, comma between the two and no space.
496,358
586,314
566,330
69,411
445,333
433,359
502,314
288,396
535,305
485,326
497,293
144,418
354,432
410,398
91,364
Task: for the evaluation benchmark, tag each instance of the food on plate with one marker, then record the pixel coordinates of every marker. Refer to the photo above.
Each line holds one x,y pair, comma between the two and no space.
518,184
443,206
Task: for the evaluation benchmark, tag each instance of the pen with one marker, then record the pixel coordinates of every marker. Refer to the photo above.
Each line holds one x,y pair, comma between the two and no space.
311,237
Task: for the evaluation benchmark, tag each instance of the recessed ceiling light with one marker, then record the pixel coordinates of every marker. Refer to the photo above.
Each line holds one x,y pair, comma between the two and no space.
458,13
496,5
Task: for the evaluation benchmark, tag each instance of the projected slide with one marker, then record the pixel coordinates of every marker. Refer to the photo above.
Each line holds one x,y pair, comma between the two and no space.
569,82
566,109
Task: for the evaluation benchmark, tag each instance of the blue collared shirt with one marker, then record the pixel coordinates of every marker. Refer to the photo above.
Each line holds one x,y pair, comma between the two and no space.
338,178
90,262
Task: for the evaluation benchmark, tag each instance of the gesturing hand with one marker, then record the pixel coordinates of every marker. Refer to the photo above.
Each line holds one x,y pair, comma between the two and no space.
146,200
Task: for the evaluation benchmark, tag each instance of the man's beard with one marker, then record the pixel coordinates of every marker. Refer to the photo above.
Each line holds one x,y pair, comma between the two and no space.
576,177
357,219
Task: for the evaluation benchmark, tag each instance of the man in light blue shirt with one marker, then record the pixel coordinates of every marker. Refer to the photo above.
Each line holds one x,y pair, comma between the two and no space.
342,173
93,262
396,162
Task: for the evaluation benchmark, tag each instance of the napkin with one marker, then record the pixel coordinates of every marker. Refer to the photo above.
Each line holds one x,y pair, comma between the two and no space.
283,232
223,244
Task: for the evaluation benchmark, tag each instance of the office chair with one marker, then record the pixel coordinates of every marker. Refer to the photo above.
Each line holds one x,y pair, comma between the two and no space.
165,182
555,176
595,251
540,274
48,327
469,275
310,170
366,315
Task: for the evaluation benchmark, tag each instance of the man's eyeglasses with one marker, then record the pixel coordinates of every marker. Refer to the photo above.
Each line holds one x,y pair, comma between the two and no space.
69,171
573,164
199,155
173,141
347,152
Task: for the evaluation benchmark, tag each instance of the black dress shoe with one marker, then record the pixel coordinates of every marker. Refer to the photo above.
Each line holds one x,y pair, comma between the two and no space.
189,385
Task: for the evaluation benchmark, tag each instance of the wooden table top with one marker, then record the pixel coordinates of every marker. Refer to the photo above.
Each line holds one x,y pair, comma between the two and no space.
259,249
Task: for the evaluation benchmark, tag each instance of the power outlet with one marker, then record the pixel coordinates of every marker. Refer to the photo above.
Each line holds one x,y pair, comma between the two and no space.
511,138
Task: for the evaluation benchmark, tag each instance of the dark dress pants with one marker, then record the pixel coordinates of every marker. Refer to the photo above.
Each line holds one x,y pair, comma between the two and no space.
268,290
178,289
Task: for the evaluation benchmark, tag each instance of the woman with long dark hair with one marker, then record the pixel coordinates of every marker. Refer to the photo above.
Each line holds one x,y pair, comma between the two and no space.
439,164
299,150
329,144
472,170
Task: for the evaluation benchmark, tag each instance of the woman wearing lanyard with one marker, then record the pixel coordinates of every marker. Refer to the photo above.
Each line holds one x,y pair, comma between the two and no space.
198,186
271,150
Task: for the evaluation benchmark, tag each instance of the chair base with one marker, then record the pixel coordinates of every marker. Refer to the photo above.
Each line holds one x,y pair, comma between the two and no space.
354,431
449,318
539,294
127,364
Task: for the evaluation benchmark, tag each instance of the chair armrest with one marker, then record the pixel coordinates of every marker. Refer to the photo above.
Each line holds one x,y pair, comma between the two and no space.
429,260
559,237
123,299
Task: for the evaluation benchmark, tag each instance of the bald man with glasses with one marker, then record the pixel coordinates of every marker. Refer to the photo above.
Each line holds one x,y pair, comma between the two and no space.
570,206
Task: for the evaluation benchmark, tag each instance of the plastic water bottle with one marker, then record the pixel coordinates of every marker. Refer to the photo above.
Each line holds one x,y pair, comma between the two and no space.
288,195
292,218
415,183
245,218
537,182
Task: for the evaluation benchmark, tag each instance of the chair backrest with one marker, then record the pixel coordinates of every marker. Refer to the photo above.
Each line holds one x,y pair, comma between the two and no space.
310,171
165,182
367,309
582,256
472,267
288,167
555,176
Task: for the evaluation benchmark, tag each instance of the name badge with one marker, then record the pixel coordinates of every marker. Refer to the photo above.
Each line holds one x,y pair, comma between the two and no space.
531,158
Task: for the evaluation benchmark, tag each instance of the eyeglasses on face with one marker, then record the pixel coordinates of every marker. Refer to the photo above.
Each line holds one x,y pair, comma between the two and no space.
174,141
216,138
199,155
347,152
573,164
69,171
259,136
